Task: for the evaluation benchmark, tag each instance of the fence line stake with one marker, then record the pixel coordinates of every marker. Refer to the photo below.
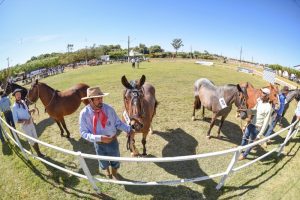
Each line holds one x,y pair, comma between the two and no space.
229,168
88,173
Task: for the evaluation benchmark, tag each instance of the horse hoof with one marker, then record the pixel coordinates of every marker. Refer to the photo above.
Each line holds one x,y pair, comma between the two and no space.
193,118
61,135
134,154
68,136
208,137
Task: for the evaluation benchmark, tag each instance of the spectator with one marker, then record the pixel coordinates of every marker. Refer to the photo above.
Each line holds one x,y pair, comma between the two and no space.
22,115
257,121
278,113
5,109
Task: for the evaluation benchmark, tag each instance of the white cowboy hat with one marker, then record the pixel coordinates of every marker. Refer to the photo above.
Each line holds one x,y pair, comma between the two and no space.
94,92
266,90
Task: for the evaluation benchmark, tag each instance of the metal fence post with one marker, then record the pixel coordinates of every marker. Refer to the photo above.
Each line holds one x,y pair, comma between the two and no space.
87,172
281,146
229,168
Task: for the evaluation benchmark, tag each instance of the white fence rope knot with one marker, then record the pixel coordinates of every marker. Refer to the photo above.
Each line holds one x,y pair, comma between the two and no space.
81,157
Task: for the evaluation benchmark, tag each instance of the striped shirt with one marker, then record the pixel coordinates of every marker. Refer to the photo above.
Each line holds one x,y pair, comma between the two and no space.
20,113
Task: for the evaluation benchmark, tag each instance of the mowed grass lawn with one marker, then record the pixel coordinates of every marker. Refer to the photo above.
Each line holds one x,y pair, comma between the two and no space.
174,135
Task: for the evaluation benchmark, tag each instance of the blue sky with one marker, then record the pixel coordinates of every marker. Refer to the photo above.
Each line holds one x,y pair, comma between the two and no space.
267,30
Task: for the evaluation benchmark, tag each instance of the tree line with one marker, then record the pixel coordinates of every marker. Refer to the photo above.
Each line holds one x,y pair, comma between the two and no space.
95,52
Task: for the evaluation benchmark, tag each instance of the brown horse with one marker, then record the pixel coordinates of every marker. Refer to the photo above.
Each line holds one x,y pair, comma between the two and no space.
254,94
218,99
58,104
140,107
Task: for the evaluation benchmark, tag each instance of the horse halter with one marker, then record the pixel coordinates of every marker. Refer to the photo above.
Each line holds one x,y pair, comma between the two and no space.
243,99
38,94
135,103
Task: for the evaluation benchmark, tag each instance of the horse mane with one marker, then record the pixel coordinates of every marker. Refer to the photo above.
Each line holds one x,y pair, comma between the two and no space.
47,86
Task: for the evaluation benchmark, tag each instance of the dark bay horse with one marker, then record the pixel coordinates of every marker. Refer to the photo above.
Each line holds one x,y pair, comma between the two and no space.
58,104
218,99
140,107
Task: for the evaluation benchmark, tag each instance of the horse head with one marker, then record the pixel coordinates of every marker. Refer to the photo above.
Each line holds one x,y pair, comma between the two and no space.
273,97
241,100
33,93
133,101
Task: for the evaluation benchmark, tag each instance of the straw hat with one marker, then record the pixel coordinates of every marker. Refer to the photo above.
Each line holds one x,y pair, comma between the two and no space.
94,92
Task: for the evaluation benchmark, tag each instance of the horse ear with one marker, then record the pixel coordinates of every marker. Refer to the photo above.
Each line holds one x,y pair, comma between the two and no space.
239,87
125,82
142,81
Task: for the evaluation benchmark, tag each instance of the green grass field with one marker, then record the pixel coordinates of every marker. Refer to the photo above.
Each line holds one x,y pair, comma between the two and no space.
175,134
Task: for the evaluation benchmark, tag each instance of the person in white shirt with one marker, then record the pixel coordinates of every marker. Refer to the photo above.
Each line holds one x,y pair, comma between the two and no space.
257,121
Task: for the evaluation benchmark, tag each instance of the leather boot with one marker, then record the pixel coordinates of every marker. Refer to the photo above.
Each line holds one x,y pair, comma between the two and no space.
37,150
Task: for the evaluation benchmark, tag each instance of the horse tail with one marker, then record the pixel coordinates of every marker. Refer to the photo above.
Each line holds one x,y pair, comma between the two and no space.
197,102
155,106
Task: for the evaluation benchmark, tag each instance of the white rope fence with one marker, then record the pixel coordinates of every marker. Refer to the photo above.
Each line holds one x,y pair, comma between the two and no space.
292,132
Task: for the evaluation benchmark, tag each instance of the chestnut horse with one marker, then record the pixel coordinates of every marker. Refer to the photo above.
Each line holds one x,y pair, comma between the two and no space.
254,94
58,104
140,107
218,99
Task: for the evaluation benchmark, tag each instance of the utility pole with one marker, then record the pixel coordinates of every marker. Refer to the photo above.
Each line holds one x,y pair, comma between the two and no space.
85,51
128,48
241,51
7,62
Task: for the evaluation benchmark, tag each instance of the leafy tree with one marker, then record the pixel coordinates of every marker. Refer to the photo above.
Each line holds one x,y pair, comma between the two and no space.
177,43
155,49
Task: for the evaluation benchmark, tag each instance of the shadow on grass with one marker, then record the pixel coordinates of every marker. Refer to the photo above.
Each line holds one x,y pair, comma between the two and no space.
231,131
271,160
86,147
42,125
57,177
179,144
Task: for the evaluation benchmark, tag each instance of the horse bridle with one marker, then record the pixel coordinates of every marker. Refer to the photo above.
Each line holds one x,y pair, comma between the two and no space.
136,95
38,95
243,100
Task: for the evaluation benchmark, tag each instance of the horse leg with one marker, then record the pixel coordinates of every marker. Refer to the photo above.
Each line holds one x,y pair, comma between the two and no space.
150,130
134,151
144,144
60,128
212,123
221,124
197,105
65,127
203,112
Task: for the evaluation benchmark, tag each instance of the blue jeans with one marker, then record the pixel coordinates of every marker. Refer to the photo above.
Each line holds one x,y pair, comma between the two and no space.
248,137
111,149
272,126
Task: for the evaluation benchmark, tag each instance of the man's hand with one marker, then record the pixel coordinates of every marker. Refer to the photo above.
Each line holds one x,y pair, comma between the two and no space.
107,139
